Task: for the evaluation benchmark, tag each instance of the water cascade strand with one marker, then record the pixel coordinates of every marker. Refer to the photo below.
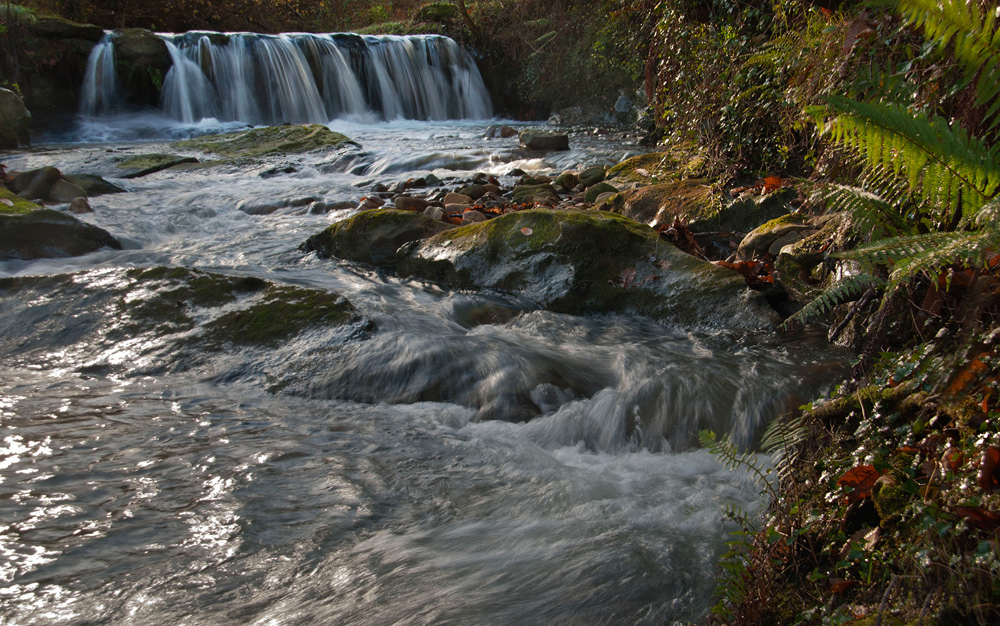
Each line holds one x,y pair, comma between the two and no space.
302,78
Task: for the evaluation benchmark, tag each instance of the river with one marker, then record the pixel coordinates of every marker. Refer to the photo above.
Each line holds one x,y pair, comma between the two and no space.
348,478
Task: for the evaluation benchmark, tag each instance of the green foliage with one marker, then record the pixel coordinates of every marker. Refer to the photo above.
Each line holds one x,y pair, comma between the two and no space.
847,290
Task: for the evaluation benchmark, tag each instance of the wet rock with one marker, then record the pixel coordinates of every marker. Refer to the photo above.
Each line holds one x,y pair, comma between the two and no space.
457,198
373,236
322,208
409,203
567,180
534,193
473,216
145,164
499,132
596,190
799,266
642,169
370,202
543,140
94,185
15,121
80,206
270,140
432,181
455,208
473,191
586,261
592,175
65,191
45,233
760,240
36,184
436,212
142,62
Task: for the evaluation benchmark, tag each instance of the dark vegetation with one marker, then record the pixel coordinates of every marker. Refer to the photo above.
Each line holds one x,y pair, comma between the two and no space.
886,496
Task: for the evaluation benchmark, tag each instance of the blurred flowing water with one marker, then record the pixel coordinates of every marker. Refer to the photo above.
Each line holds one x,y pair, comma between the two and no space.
468,459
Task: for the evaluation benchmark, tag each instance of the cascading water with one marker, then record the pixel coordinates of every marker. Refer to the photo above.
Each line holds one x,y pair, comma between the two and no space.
298,78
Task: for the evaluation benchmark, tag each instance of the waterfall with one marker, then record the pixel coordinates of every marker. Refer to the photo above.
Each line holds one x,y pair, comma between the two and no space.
299,77
100,94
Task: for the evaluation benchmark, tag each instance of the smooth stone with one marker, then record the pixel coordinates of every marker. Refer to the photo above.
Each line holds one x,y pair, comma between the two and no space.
472,216
80,205
544,140
436,212
457,198
409,203
473,191
65,191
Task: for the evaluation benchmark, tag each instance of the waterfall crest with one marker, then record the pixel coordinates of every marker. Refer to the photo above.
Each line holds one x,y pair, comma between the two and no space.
302,78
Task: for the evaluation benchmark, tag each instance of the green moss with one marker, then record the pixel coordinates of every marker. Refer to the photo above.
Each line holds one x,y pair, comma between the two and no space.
170,299
17,203
284,312
437,12
653,166
373,236
256,142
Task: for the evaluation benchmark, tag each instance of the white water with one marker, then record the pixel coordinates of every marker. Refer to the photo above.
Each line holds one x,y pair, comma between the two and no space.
335,480
298,78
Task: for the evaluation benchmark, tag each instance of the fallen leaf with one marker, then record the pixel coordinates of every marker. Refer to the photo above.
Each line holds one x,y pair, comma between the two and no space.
839,585
7,201
642,171
989,469
663,264
953,458
526,231
979,517
773,183
860,479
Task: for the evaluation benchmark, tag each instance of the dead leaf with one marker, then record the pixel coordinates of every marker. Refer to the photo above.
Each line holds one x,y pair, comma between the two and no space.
989,469
526,231
7,201
642,171
663,264
773,183
979,517
839,586
860,479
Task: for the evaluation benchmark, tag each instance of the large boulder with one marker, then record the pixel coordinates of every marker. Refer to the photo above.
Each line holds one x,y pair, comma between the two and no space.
694,202
51,88
771,237
15,121
373,236
258,142
544,140
586,261
44,233
142,61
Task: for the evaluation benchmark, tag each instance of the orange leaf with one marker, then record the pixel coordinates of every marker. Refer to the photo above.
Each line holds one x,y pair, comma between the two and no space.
839,585
773,183
860,479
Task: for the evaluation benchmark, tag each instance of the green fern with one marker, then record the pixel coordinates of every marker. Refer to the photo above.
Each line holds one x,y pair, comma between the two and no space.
847,290
953,174
974,41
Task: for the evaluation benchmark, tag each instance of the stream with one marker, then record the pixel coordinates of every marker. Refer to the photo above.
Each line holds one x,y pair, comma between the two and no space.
350,477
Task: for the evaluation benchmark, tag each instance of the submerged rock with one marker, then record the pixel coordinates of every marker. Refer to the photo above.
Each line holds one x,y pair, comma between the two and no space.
94,185
15,121
145,164
373,236
44,233
257,142
586,261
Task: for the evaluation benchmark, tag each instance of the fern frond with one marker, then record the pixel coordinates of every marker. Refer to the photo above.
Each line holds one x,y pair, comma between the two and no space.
950,171
872,214
974,37
847,290
926,253
726,451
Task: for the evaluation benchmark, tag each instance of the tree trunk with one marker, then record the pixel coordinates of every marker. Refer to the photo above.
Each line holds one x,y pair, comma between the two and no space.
468,20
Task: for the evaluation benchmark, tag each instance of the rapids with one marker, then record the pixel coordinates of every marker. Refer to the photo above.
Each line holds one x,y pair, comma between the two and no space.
340,479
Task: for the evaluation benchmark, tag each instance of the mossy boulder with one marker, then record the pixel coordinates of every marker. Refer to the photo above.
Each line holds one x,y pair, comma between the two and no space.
15,121
11,203
140,165
93,185
800,267
44,233
373,236
586,261
770,237
142,61
59,28
258,142
656,205
594,191
642,169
